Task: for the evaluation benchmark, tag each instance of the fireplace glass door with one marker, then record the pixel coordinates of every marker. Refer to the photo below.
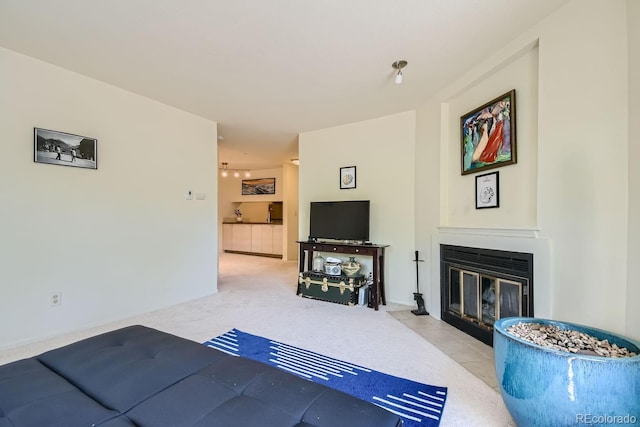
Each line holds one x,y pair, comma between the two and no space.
470,294
483,298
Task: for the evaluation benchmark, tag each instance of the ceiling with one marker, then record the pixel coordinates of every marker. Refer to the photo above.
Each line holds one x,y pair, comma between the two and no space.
269,70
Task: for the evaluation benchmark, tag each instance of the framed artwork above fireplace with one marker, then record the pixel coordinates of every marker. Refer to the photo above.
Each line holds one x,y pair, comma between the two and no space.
488,190
488,135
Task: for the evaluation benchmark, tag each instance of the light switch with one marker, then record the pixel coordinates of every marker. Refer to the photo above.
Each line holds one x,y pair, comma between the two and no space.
189,195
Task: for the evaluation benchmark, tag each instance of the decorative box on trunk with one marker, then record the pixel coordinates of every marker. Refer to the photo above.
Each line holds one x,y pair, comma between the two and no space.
339,289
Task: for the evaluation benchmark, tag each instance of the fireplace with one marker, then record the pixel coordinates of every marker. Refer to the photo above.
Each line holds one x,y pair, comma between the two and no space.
480,286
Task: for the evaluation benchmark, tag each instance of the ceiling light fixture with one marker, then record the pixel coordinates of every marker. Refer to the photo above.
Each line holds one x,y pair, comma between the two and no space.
399,65
224,172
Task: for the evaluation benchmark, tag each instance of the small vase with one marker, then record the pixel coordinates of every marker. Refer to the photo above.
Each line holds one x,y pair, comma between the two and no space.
318,263
351,267
239,218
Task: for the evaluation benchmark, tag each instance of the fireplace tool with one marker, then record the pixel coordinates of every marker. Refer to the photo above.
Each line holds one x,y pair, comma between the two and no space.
421,311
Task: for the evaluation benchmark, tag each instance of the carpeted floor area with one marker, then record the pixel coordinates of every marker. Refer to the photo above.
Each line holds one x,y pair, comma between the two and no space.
257,295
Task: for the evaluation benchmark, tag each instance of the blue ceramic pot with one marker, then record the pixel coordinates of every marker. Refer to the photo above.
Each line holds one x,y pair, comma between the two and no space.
545,387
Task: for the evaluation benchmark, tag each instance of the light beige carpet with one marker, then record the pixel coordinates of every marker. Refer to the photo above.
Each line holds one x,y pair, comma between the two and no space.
257,295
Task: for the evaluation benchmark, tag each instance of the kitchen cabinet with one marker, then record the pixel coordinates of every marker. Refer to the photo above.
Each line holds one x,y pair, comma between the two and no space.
227,237
259,239
262,238
241,237
277,239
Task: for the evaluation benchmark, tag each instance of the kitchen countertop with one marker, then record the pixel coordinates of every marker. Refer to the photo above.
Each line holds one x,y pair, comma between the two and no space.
274,222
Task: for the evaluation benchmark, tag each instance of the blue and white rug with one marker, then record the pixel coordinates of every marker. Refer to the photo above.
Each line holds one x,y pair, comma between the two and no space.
419,405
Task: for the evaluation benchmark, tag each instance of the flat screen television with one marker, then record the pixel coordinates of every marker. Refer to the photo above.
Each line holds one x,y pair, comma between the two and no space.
343,220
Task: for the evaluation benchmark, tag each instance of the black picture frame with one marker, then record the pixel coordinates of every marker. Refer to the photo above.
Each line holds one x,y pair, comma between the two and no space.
488,190
347,177
258,186
488,135
64,149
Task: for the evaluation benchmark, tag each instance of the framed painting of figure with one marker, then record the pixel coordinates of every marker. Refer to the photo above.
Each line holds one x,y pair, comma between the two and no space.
488,135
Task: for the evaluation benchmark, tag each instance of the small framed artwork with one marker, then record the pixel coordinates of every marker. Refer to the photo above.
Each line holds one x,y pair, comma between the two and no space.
258,186
65,149
488,190
488,135
347,177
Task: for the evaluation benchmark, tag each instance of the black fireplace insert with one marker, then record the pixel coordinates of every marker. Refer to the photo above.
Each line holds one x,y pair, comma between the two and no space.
480,286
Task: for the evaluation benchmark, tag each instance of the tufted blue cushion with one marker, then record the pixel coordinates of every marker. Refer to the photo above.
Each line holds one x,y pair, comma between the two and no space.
122,368
235,391
32,395
138,376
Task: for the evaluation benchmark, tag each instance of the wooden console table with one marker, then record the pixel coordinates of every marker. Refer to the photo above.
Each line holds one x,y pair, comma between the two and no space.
375,251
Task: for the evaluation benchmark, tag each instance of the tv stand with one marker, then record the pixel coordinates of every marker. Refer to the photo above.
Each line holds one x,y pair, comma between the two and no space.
375,251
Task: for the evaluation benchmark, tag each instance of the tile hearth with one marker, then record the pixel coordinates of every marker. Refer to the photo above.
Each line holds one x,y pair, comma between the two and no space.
473,355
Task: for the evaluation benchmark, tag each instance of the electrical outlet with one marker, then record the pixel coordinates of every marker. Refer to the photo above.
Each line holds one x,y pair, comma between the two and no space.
56,299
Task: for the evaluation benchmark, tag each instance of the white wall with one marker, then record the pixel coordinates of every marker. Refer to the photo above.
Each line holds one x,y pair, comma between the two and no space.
115,241
516,182
583,174
570,185
254,211
633,275
382,150
290,212
428,199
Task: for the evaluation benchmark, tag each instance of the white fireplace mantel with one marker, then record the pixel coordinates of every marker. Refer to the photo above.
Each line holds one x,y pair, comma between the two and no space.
523,233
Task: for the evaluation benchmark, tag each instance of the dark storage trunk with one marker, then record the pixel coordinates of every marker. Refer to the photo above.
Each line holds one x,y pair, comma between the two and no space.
339,289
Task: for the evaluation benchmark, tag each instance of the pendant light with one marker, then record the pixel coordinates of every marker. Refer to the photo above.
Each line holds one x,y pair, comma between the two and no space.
399,65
